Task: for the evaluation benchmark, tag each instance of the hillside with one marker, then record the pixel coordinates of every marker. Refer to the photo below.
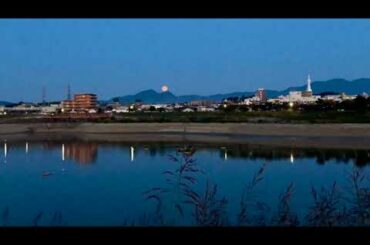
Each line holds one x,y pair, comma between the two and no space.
354,87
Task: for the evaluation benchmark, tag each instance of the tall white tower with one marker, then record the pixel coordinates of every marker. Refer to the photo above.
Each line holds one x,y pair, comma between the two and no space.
309,84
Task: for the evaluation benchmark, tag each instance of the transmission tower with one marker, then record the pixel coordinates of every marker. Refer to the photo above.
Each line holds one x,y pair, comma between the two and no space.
43,94
68,92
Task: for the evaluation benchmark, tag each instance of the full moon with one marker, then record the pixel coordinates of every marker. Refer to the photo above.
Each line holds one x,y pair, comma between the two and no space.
164,88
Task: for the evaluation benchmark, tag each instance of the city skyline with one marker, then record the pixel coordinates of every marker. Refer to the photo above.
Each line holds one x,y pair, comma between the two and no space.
306,86
192,56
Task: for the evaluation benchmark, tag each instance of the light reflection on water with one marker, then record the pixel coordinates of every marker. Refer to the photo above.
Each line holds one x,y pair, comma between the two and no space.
91,183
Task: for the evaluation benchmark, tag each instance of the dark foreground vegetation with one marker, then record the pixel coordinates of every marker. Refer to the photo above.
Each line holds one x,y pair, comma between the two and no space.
190,199
179,203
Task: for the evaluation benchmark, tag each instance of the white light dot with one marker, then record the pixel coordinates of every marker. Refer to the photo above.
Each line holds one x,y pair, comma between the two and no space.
164,88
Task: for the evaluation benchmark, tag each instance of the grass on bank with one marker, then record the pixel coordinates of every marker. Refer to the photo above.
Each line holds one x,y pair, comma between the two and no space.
208,117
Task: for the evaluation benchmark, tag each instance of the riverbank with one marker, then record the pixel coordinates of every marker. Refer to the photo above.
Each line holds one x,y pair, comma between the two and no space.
275,117
349,136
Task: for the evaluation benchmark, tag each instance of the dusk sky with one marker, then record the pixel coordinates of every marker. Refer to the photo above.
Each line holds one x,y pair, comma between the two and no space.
113,57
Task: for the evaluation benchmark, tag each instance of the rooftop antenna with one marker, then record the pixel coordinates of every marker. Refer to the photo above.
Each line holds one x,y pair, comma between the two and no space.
309,84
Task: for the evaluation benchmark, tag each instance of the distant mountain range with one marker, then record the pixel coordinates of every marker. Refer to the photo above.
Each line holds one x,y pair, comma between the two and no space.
354,87
5,103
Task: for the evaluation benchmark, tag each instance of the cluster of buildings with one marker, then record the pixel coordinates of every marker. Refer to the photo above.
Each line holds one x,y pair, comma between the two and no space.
81,103
297,97
202,106
87,104
30,108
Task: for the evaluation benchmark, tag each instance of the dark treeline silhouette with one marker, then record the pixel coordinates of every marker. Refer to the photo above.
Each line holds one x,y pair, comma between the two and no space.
359,104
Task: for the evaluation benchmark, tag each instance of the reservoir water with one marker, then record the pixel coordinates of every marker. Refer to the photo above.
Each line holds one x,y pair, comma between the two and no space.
56,183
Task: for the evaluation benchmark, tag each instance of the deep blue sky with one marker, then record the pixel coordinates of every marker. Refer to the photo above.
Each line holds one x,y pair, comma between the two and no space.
193,56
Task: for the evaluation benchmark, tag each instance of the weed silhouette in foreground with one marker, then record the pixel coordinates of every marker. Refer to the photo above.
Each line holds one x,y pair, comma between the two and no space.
208,209
285,216
248,201
57,219
5,216
327,209
359,200
173,197
182,202
330,206
37,218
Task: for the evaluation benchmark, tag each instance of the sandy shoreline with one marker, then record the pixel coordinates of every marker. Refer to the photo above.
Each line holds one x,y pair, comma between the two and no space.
351,136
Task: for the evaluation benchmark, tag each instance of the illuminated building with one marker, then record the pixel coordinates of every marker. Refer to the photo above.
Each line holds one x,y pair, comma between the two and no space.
261,95
80,103
85,101
68,105
303,97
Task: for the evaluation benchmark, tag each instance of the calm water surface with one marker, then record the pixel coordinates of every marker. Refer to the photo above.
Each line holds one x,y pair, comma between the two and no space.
92,184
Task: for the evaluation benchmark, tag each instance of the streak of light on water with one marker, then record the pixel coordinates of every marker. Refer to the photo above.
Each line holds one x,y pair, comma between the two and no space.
291,157
63,153
132,153
5,149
